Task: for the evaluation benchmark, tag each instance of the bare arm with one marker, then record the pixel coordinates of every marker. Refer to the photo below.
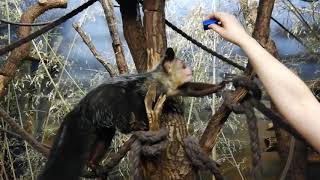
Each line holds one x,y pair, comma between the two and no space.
289,93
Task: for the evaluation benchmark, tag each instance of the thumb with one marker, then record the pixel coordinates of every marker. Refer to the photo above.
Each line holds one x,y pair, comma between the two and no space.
216,28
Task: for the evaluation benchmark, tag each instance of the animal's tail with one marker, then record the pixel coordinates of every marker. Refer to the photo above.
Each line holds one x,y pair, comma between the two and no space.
70,150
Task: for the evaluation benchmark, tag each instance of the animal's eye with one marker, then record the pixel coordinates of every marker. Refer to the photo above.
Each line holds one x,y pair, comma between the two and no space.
184,66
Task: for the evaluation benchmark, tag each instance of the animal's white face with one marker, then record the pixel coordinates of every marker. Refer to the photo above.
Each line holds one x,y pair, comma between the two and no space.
179,72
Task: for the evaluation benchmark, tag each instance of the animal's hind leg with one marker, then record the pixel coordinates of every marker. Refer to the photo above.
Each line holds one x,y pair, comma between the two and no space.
103,141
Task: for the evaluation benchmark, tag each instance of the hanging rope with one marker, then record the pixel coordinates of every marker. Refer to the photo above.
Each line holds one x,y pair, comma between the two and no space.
199,158
202,46
252,100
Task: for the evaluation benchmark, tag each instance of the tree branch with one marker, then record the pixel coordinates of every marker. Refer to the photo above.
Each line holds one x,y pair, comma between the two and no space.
10,66
24,24
94,51
116,43
46,28
11,133
24,134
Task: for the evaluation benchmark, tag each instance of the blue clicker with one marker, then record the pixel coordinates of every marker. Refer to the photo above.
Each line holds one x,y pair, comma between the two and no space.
207,22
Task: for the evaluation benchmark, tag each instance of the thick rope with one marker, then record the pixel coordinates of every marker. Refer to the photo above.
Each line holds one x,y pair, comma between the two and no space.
247,109
199,158
246,82
141,143
148,144
136,161
275,117
250,101
254,139
254,100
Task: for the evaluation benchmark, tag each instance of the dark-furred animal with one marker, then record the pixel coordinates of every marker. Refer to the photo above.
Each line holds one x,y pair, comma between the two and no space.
116,104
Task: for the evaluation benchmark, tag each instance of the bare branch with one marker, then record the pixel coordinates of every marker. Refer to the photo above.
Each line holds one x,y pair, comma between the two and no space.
23,134
116,43
11,133
25,24
94,51
4,22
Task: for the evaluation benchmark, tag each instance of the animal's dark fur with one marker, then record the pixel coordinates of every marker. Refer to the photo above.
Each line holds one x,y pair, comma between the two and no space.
109,106
117,104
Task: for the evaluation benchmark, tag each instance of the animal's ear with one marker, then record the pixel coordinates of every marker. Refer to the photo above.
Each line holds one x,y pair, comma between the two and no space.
169,56
167,60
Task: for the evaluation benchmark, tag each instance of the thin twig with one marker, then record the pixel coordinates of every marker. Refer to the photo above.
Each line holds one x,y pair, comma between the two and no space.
302,19
93,49
11,133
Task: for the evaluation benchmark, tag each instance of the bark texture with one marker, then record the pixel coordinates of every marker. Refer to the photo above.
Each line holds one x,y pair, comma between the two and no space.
134,32
107,6
173,165
147,43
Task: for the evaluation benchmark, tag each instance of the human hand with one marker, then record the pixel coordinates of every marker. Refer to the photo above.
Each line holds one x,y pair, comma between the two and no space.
230,28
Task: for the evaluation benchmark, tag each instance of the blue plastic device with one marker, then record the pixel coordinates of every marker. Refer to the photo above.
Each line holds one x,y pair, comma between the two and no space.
208,22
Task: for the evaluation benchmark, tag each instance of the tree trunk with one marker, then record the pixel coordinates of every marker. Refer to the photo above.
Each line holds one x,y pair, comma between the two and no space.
174,163
134,32
147,44
155,32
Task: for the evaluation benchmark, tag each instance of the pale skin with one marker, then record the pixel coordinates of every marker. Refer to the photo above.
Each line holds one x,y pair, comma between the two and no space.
289,93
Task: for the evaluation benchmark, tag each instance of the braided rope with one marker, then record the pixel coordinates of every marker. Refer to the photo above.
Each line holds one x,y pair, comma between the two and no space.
247,109
254,140
253,101
146,143
136,162
199,158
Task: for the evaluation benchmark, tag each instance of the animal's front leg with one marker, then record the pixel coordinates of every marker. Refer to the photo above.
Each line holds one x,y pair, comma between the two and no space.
195,89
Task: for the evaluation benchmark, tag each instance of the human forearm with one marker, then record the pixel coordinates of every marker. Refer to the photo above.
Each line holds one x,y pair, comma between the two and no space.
280,82
291,96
